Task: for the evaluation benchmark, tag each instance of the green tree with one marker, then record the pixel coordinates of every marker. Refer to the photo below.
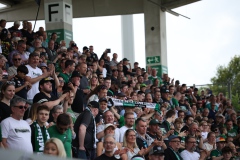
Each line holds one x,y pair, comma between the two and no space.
226,75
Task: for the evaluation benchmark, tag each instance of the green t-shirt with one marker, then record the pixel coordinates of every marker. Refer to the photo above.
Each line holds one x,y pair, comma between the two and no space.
232,133
209,107
71,113
175,102
215,153
152,79
66,138
65,76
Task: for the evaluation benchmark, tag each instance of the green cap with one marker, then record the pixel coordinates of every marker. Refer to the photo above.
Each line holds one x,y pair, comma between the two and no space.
154,121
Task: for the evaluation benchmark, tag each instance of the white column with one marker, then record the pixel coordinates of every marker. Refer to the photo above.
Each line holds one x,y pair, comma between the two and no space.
155,37
128,38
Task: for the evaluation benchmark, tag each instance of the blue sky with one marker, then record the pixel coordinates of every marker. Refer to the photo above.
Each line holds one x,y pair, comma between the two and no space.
195,47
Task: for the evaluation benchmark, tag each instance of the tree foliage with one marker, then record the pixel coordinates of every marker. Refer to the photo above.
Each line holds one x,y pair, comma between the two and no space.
227,75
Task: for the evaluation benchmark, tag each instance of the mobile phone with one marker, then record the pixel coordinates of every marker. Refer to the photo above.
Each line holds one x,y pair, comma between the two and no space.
108,50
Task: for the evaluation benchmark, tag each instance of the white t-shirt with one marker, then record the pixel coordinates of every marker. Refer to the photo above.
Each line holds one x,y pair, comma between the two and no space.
100,128
207,146
122,131
33,73
17,133
186,155
204,135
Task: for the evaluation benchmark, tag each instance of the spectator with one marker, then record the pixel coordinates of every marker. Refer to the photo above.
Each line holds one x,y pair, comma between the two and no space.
51,51
45,97
16,132
108,118
56,111
93,83
14,28
156,153
6,43
227,153
62,131
6,95
129,142
99,92
188,121
69,68
172,151
166,125
17,61
34,75
21,86
110,152
3,62
114,62
85,129
129,122
126,66
54,38
60,87
54,147
189,153
230,130
39,131
217,152
211,143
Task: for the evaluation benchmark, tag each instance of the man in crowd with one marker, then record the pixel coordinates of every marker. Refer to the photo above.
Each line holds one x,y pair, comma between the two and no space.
216,154
63,132
189,152
156,153
69,68
34,75
16,133
129,122
171,153
39,131
85,129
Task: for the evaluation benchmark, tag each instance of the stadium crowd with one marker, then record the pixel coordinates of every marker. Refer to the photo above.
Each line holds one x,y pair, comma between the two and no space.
60,100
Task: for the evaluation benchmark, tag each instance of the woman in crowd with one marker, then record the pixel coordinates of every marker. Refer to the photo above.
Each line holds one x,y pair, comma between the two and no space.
7,93
4,76
93,83
60,87
129,142
54,147
211,143
204,127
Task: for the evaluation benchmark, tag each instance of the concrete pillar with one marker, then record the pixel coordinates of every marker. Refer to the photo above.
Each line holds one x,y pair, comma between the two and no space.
155,37
128,38
58,18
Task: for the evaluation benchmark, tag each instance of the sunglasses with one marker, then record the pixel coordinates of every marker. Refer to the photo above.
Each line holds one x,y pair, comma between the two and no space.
17,59
61,81
10,82
21,107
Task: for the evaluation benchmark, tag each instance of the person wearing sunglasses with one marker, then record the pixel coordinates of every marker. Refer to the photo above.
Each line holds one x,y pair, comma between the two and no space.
189,153
16,133
17,61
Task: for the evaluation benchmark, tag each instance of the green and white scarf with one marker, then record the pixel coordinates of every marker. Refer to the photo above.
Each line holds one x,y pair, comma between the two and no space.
129,103
40,137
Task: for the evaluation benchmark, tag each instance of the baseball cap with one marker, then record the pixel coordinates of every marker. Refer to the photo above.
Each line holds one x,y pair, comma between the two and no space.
156,150
177,81
103,99
143,85
76,74
109,125
170,138
43,65
74,45
125,59
164,89
93,104
154,121
44,80
220,139
85,48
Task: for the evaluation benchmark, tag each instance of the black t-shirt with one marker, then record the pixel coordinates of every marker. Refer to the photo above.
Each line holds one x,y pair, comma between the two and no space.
86,119
18,83
104,157
185,128
5,111
77,105
142,144
125,69
99,117
41,96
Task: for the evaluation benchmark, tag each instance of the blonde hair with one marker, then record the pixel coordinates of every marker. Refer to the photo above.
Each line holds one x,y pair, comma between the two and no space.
125,138
59,144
